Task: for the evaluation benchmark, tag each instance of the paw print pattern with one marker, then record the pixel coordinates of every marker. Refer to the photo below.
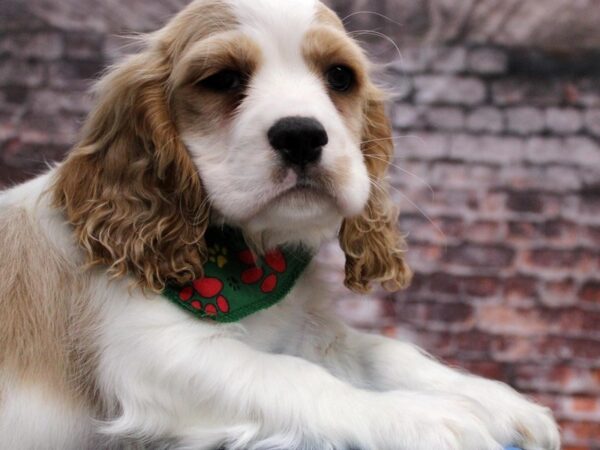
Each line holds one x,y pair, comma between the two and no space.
236,282
274,260
207,288
217,254
233,282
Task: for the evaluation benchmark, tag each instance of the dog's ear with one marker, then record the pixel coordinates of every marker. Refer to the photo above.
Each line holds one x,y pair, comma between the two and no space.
130,188
372,243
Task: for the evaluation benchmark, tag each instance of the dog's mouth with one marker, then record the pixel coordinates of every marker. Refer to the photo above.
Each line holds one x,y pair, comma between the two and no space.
297,192
307,187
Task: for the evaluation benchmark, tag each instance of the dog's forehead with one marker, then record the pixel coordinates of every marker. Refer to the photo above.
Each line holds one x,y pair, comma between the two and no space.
281,22
271,13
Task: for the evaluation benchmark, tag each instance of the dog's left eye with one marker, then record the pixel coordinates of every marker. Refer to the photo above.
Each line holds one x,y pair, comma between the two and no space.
340,78
224,81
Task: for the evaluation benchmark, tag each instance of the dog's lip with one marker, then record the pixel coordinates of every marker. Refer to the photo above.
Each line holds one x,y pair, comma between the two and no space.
306,185
307,192
296,190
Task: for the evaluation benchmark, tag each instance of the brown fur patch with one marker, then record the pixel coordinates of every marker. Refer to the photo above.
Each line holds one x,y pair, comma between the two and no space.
199,20
129,187
199,110
37,296
325,47
326,16
372,243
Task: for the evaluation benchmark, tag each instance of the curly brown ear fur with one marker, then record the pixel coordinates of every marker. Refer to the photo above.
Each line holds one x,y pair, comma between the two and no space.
372,243
129,187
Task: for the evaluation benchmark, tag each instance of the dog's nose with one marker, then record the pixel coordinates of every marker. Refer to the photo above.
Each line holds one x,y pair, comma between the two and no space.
299,140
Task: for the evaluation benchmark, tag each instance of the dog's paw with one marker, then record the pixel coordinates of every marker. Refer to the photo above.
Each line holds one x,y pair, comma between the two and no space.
423,421
514,419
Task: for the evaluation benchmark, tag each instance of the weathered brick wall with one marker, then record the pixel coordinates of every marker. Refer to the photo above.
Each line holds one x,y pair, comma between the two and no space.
498,177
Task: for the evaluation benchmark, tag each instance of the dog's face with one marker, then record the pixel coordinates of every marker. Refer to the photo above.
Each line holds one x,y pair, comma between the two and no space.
257,113
271,109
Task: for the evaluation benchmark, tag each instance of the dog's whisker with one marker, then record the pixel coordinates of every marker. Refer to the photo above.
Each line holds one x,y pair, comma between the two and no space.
380,35
408,172
374,13
396,137
437,228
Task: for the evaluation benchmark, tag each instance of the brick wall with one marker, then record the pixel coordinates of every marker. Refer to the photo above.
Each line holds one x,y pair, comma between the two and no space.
497,173
498,177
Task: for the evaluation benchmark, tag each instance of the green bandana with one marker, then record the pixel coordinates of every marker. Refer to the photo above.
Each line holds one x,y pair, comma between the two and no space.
236,282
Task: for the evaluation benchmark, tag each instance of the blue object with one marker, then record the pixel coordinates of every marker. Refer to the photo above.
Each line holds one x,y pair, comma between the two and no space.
512,448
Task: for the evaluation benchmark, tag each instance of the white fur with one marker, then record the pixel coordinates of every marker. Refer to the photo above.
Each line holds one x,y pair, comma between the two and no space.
290,377
32,417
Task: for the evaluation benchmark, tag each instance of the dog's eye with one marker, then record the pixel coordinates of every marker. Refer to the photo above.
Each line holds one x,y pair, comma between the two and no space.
224,81
340,78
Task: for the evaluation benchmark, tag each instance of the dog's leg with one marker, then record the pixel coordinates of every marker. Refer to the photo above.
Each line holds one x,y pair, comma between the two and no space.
384,364
172,376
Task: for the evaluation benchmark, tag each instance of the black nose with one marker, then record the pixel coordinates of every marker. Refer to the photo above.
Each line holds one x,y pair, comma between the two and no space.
299,140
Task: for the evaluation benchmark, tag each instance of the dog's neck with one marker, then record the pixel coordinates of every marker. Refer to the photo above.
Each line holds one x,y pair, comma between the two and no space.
264,237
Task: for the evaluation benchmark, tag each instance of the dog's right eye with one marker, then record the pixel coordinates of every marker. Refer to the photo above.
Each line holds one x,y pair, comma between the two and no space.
224,81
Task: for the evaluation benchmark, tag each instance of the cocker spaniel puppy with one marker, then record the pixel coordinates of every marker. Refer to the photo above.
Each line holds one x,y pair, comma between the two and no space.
158,287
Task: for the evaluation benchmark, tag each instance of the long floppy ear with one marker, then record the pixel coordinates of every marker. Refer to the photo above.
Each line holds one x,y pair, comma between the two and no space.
372,243
130,188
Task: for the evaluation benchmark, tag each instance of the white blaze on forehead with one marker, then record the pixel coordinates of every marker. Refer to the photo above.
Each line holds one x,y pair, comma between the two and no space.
279,26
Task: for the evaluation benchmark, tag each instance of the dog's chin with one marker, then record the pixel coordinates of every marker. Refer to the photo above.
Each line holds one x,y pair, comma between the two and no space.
297,209
300,214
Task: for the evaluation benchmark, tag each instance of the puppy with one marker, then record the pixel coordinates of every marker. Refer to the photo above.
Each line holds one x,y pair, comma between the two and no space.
254,122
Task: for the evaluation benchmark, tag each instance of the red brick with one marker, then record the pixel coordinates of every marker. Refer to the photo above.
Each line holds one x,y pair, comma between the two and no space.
528,91
444,283
499,319
590,200
593,233
483,231
480,256
556,258
481,286
581,432
525,231
474,342
447,200
584,404
590,292
564,349
493,203
424,253
555,232
561,232
553,402
557,378
517,348
525,202
487,369
448,312
520,288
559,293
574,321
451,226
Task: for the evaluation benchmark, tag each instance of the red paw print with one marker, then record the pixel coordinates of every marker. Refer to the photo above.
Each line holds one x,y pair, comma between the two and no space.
207,288
274,259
